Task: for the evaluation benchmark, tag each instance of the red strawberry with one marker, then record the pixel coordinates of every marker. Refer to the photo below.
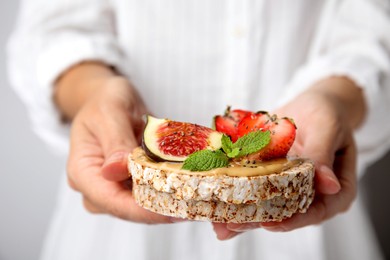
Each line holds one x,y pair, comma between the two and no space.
228,123
282,130
253,122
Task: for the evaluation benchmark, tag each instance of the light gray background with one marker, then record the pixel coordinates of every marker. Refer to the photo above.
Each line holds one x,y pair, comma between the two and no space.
29,173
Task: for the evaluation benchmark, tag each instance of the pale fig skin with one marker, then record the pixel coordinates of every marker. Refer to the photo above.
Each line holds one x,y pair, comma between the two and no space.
144,146
149,154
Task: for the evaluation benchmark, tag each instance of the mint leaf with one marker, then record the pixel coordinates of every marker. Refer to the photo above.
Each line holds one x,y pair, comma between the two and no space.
251,142
205,160
228,147
233,153
227,144
247,144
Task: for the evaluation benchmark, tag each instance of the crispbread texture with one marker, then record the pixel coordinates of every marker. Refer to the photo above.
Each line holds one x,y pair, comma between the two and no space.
224,198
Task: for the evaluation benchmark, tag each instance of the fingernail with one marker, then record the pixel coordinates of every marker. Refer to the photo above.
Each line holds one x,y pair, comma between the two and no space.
230,235
243,227
115,157
330,176
274,228
178,220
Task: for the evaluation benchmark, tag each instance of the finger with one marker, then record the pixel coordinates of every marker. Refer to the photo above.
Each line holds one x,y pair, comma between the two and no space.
105,196
72,184
137,215
123,205
345,168
85,153
327,206
243,227
222,232
315,214
320,146
116,132
119,142
90,207
114,199
115,166
117,139
326,180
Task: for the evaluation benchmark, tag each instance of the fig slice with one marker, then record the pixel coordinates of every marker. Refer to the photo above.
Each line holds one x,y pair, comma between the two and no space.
168,140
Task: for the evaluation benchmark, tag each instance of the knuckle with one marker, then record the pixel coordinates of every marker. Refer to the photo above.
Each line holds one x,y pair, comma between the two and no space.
115,212
353,191
284,228
119,213
346,206
349,195
348,203
321,212
72,184
114,209
71,171
71,168
149,219
89,207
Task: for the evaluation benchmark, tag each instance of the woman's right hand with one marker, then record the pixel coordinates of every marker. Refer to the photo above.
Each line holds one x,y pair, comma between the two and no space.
106,127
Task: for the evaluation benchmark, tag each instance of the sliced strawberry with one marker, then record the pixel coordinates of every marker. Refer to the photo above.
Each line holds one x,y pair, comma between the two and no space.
225,125
282,130
228,123
253,122
283,133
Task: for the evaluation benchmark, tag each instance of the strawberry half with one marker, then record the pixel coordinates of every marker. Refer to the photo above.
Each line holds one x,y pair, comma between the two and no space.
228,123
253,122
283,131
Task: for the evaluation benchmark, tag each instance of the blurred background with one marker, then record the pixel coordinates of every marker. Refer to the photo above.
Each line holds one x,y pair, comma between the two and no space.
30,174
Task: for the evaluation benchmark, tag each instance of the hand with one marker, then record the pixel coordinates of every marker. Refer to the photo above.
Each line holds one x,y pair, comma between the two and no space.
105,129
324,135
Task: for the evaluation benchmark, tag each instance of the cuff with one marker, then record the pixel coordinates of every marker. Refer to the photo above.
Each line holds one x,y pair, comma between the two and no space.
62,54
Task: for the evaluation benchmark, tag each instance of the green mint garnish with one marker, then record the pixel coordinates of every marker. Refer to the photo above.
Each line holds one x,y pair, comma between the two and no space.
227,144
234,153
251,142
206,160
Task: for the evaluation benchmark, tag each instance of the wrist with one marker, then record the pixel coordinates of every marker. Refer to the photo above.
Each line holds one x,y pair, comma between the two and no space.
346,96
79,84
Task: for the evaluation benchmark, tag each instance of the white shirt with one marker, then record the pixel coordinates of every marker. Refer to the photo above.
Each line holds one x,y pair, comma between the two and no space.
189,59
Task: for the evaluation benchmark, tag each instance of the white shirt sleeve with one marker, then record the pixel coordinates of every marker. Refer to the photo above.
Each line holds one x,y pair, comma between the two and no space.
49,38
353,40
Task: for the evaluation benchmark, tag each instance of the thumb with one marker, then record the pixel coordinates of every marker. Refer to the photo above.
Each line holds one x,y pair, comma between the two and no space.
118,140
114,167
321,150
326,180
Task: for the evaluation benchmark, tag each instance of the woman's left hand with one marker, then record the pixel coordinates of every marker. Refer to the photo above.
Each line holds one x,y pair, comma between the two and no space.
325,135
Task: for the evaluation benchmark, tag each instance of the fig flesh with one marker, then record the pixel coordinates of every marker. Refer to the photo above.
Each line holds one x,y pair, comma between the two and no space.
167,140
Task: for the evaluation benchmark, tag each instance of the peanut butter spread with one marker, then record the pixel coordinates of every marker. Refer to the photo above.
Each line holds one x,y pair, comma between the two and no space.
242,168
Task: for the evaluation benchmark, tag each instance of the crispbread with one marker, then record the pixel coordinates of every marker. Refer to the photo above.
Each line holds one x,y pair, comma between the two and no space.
223,198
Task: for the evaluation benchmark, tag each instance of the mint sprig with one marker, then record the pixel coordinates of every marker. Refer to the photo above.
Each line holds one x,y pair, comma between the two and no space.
205,160
249,143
